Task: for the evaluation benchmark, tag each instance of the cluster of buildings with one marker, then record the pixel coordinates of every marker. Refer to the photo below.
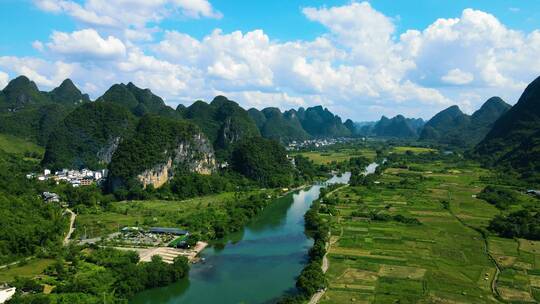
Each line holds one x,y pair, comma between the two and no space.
316,143
76,178
155,236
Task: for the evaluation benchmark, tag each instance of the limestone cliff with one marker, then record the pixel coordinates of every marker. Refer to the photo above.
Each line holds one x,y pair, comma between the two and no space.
160,148
196,155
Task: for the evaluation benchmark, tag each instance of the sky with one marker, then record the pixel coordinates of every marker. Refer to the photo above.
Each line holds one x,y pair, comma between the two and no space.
361,59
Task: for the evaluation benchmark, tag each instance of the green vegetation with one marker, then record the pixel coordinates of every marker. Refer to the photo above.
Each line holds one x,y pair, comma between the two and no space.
320,122
15,145
337,156
209,216
24,233
97,276
396,127
395,239
30,114
514,140
502,198
223,121
454,128
264,161
27,269
139,101
283,127
88,136
520,224
156,141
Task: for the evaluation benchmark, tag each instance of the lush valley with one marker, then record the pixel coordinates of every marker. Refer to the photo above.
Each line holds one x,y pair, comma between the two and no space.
447,202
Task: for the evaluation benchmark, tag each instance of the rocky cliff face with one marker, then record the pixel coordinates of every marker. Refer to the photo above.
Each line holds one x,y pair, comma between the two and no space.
105,154
196,156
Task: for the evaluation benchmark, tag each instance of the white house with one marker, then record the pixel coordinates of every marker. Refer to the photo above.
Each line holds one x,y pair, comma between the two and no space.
6,293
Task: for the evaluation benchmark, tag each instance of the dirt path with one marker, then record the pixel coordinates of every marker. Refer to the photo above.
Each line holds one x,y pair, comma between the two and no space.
72,218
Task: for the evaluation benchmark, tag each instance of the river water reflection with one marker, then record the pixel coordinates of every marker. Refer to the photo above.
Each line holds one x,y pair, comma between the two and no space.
256,265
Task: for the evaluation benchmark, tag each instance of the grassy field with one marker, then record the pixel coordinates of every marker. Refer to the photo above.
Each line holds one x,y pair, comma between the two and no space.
15,145
443,260
31,269
413,150
326,157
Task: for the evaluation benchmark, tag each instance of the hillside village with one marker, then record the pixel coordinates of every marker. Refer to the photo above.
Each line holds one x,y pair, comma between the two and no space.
76,178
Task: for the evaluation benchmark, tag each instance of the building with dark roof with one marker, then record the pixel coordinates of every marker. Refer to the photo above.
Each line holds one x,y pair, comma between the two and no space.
174,231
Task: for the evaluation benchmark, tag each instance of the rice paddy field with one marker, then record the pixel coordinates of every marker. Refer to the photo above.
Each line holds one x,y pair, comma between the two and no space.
341,155
448,258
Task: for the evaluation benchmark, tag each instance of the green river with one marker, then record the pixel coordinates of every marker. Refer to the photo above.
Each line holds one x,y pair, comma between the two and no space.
256,265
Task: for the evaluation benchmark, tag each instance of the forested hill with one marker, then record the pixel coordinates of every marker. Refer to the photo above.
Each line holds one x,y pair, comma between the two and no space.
299,124
454,128
283,127
514,139
88,136
395,127
159,148
31,114
222,120
138,101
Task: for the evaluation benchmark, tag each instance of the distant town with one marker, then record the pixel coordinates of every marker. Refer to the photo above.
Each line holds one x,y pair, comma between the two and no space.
76,178
317,143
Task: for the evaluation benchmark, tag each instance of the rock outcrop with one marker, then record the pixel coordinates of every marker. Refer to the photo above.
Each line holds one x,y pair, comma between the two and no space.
196,156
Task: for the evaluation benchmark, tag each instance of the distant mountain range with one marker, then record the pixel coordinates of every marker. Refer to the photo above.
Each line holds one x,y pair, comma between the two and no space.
32,114
299,124
80,133
396,127
455,128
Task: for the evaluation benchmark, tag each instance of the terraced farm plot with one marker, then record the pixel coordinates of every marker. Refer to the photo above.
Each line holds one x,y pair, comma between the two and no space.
442,260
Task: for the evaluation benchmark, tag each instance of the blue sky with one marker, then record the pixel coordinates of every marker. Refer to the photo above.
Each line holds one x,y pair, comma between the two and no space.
361,59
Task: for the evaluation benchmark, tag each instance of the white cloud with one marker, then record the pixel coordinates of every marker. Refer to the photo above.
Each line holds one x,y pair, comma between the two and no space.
197,8
4,79
86,44
359,27
128,16
38,45
360,67
458,77
44,73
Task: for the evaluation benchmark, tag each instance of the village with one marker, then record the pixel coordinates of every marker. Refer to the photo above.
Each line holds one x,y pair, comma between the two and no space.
76,178
317,143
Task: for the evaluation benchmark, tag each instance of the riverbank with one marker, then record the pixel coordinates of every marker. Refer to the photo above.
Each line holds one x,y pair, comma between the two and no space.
273,243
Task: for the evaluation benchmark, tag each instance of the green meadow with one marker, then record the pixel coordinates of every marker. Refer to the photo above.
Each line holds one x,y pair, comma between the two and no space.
15,145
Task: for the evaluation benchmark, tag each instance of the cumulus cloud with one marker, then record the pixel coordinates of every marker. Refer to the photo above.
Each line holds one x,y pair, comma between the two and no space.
458,77
359,27
129,16
43,72
360,68
86,45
